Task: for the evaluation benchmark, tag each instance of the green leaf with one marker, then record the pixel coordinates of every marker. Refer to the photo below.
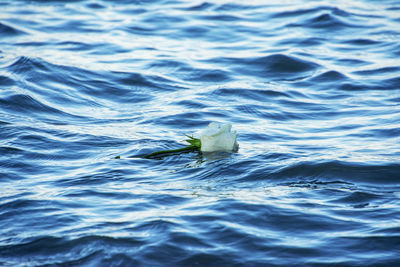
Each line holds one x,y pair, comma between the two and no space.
194,141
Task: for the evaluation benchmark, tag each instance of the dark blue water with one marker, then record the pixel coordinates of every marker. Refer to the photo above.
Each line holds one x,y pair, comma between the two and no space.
312,87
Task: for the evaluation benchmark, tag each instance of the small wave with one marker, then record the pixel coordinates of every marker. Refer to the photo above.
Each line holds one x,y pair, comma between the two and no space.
235,7
253,94
25,65
229,18
326,21
348,172
8,31
358,198
210,76
199,7
275,67
329,77
332,19
294,13
361,42
303,42
153,82
26,104
6,81
55,250
95,6
378,71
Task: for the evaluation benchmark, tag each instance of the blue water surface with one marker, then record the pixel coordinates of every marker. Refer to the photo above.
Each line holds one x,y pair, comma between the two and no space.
312,87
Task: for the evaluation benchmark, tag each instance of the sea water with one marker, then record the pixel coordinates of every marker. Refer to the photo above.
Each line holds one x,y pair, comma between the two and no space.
311,87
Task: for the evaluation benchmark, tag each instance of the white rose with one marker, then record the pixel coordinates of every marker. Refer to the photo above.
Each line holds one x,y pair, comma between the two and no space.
218,137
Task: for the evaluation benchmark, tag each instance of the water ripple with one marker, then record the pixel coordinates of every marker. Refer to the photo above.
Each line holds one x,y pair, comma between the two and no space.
311,87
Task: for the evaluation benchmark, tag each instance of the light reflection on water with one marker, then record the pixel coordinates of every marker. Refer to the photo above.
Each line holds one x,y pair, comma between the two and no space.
311,87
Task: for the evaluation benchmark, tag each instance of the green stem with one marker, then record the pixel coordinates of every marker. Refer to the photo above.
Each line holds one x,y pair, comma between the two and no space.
195,145
167,152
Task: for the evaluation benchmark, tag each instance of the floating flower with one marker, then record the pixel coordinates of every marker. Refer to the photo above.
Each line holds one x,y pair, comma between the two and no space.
215,138
218,137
